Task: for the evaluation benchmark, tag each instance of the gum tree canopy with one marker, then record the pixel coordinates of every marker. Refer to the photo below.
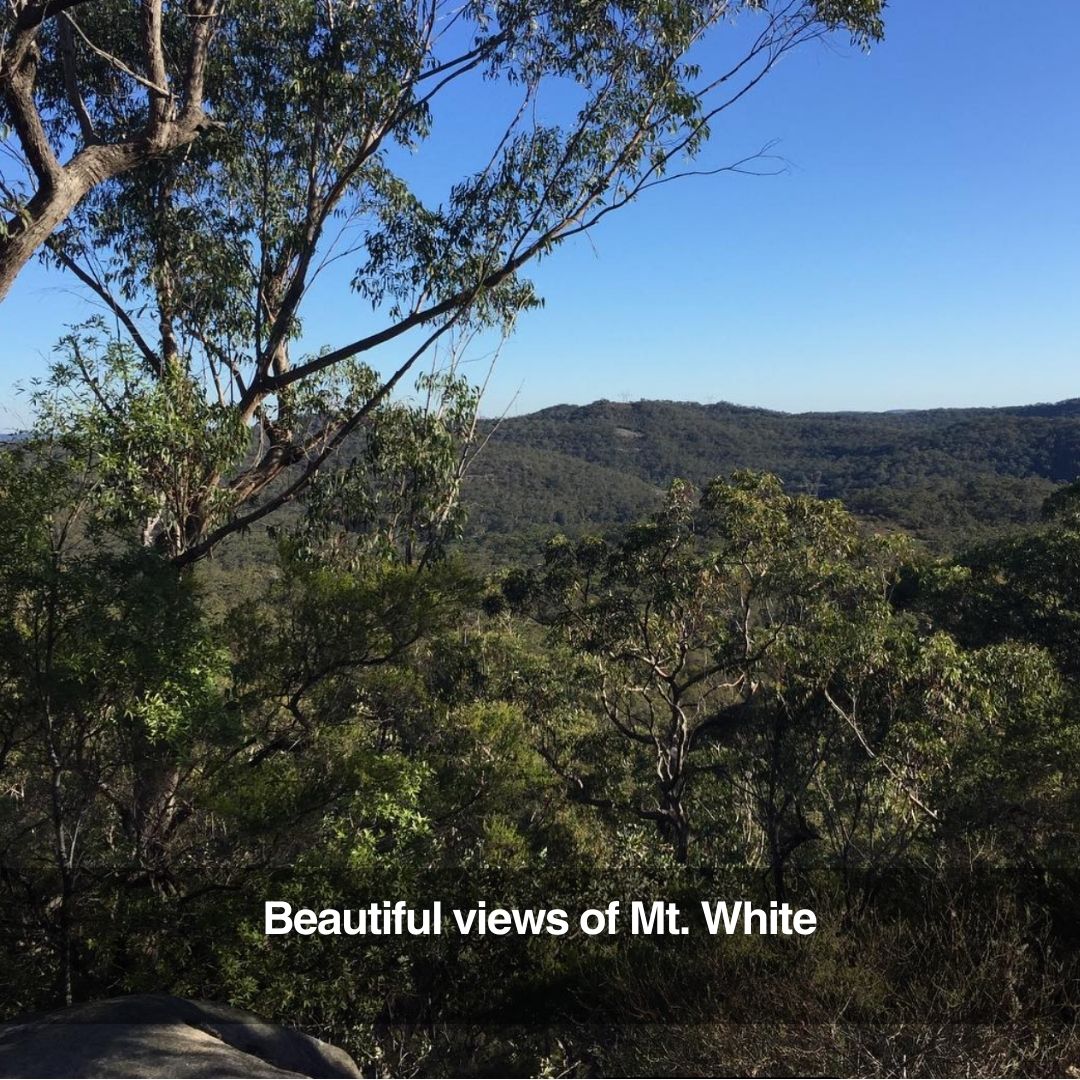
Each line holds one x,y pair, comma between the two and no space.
221,157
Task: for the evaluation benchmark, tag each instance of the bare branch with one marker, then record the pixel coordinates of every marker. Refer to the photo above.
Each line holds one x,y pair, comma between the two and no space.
100,289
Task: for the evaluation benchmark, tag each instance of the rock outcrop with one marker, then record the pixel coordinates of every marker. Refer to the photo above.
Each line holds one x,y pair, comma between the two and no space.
154,1035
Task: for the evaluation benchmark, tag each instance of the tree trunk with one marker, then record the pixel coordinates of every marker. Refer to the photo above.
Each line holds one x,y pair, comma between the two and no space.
27,233
54,202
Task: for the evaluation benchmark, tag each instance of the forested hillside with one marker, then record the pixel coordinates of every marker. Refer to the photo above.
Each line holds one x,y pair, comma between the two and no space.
942,474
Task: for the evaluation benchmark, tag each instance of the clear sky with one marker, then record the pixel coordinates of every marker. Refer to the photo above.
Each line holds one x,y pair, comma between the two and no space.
922,249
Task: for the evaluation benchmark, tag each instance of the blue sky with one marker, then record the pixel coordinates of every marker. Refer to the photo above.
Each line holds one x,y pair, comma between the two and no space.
923,248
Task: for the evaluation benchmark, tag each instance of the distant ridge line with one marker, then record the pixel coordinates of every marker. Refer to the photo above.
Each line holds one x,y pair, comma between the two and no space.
1066,406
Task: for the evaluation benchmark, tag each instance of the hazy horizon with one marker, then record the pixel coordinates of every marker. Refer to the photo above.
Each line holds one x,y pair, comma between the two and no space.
493,416
779,412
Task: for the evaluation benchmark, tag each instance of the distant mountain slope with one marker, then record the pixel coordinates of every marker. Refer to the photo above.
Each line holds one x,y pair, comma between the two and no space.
520,495
940,473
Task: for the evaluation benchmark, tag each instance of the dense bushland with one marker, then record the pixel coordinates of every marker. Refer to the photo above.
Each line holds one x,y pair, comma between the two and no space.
745,694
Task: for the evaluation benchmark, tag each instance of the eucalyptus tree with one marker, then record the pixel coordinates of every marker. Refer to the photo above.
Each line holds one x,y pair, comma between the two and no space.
439,149
90,89
153,752
111,691
755,686
712,627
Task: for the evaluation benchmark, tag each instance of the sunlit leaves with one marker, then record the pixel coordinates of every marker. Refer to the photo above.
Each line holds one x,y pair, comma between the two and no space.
157,444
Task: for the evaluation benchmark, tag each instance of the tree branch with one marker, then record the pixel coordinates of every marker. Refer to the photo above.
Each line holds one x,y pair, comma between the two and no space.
98,287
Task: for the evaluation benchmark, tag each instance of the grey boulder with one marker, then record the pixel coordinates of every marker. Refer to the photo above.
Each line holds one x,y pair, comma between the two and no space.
154,1035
